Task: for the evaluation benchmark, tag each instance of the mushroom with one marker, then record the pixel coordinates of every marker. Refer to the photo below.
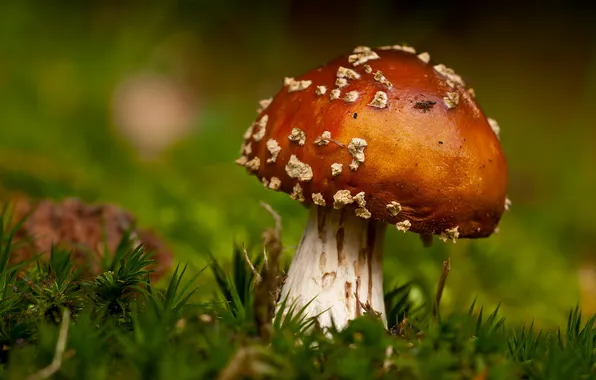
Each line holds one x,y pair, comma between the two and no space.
433,170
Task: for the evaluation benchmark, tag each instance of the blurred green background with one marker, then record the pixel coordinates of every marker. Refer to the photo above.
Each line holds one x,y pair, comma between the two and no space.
143,104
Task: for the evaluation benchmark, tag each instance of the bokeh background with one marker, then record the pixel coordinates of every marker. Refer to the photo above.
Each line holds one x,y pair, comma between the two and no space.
143,104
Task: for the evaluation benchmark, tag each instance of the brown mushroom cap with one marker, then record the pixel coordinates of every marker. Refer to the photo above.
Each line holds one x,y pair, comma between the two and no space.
429,148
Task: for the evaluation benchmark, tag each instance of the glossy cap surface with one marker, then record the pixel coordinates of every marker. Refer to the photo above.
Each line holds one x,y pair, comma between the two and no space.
389,134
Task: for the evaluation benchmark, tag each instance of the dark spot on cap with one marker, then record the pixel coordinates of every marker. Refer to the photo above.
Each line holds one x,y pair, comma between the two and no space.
355,115
424,106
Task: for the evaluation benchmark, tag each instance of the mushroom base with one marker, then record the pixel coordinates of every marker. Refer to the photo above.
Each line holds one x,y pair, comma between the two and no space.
338,265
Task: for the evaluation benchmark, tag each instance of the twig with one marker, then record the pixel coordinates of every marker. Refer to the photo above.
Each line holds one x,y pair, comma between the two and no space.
402,327
54,366
441,285
265,258
258,277
236,366
387,363
337,142
266,291
275,215
247,363
368,309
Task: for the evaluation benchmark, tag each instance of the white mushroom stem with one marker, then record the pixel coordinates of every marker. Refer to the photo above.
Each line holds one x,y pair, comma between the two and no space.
338,265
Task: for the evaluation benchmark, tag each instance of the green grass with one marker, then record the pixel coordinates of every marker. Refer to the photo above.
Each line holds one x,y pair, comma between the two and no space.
118,326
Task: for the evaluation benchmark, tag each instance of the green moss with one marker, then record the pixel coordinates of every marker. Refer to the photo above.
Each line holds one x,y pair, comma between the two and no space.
119,326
